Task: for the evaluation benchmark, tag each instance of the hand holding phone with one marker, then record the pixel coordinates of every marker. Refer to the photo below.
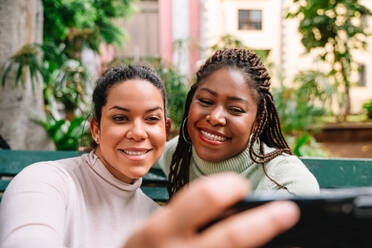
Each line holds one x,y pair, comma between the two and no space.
334,218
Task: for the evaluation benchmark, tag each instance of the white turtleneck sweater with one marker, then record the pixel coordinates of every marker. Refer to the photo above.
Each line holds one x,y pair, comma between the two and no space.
73,202
288,170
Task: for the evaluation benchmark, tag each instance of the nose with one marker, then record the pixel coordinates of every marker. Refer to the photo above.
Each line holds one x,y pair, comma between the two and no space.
137,131
217,117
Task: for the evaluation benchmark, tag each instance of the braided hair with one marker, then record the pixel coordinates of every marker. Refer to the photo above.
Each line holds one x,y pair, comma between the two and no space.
267,130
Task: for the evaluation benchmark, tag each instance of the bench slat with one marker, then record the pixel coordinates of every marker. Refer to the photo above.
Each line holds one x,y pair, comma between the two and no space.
156,193
340,172
13,161
3,184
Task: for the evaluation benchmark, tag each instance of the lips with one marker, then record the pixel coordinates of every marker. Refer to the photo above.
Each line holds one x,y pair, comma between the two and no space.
213,136
135,151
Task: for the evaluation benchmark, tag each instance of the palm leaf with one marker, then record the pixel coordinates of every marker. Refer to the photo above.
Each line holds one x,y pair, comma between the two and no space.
4,77
19,75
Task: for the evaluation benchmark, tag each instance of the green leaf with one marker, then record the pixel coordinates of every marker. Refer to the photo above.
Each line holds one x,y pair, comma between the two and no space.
19,75
3,79
299,143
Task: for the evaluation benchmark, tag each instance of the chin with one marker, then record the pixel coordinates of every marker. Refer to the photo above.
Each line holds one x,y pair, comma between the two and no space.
209,158
139,173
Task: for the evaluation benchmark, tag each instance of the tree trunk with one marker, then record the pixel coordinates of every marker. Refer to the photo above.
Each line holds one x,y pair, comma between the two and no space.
21,23
347,110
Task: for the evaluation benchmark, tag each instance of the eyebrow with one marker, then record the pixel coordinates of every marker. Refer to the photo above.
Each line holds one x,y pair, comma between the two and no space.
230,98
128,110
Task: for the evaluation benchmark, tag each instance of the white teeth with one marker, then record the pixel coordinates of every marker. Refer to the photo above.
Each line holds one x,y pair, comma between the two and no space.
134,153
213,136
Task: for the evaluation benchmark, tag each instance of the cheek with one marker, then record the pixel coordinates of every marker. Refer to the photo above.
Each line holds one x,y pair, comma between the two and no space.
159,135
194,115
112,133
243,127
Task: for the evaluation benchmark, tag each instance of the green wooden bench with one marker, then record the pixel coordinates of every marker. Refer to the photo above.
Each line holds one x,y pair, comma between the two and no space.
13,161
330,172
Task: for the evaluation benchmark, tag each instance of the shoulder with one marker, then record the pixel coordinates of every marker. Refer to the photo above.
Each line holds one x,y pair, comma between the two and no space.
290,171
146,202
50,169
286,164
49,176
166,157
171,145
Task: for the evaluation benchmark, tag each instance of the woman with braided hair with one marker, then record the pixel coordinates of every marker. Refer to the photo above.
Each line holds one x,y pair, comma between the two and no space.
231,124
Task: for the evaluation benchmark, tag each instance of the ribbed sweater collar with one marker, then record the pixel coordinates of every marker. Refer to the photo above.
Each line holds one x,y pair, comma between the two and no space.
100,170
239,163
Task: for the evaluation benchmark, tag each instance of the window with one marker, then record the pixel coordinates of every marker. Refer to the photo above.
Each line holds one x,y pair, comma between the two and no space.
250,19
362,75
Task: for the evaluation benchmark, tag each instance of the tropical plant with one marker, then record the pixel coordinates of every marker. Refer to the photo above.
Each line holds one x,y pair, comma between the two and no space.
300,107
27,60
177,88
368,107
64,133
69,27
78,24
334,29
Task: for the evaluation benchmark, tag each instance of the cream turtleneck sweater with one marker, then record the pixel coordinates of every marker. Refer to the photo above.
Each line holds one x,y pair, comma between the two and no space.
288,170
73,202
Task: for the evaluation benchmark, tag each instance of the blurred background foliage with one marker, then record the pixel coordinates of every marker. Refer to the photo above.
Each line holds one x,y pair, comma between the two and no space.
333,29
70,26
301,107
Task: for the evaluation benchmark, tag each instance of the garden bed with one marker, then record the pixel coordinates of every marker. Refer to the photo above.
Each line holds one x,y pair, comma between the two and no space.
349,139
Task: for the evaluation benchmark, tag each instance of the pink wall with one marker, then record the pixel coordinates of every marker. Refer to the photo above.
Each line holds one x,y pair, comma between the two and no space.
165,30
194,30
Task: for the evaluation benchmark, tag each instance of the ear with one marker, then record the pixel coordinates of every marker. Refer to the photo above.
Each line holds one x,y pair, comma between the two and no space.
168,125
94,129
254,126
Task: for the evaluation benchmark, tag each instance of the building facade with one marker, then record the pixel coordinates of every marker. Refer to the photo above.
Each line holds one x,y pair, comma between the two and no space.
180,31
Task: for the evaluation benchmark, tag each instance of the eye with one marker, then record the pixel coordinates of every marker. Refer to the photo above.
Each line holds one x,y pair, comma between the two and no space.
153,118
205,102
236,110
119,118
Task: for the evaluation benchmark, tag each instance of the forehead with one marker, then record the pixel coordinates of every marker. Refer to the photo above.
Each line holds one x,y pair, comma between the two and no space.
229,82
135,92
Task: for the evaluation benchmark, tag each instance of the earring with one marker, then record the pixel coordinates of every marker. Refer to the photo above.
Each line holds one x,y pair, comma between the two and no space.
188,141
96,140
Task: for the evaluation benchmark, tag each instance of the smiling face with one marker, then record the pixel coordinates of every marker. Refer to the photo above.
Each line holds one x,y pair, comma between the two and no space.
222,114
132,132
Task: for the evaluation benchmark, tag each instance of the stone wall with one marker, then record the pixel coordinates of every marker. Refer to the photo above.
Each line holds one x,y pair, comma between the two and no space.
21,22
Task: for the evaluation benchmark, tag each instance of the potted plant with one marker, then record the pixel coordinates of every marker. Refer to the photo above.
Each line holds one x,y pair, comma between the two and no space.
368,106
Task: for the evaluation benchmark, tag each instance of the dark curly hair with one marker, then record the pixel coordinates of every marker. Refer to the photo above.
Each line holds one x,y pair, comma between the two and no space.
118,74
267,130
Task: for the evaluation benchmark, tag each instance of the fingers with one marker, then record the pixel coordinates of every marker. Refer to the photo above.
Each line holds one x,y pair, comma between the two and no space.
260,225
201,201
198,203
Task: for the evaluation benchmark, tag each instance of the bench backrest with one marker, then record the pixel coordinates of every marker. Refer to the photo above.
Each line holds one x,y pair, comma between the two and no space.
13,161
340,172
330,172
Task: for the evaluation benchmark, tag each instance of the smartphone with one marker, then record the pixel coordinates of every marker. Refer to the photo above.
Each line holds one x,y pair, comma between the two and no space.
333,218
